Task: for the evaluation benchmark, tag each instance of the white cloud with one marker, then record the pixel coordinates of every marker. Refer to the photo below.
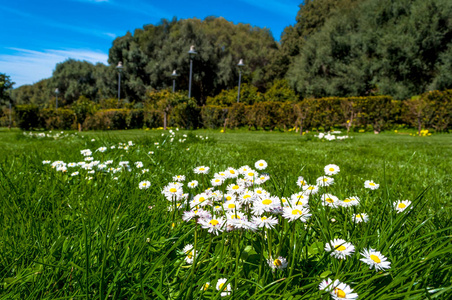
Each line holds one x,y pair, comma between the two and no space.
29,66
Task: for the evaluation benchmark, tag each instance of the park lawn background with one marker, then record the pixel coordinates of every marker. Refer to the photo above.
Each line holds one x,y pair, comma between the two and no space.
55,236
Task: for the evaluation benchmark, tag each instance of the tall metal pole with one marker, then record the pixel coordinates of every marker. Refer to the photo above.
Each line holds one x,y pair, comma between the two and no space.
119,67
240,65
192,52
119,86
240,79
189,85
174,85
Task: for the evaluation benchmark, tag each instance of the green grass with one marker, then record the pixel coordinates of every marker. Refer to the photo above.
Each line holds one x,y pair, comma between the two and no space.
64,237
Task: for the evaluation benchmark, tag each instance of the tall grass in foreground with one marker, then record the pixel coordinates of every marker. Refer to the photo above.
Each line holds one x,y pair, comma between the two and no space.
66,236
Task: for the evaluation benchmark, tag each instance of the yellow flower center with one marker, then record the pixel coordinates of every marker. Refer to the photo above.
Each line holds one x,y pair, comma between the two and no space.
264,218
232,205
206,286
173,190
340,293
298,203
189,254
217,180
267,202
375,258
246,196
331,169
325,179
220,286
235,187
214,222
261,164
235,217
232,171
359,216
347,200
277,263
250,174
196,212
228,198
311,188
202,199
329,200
202,169
371,183
296,212
402,205
340,248
259,191
303,182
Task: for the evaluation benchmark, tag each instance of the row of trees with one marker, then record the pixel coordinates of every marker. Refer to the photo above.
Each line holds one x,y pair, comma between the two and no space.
336,48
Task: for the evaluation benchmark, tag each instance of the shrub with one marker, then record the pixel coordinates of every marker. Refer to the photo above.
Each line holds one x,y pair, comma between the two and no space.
60,118
237,115
213,116
107,119
27,116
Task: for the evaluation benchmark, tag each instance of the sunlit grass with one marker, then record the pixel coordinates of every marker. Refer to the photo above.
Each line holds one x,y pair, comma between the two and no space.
70,237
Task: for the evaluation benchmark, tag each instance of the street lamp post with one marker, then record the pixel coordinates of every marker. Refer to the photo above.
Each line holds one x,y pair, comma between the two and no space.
191,53
56,95
240,65
174,75
119,67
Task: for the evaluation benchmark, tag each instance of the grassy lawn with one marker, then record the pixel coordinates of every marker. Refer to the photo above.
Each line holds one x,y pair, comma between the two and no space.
97,235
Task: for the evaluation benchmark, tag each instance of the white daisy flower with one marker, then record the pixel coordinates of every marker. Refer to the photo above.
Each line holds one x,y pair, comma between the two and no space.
102,149
369,184
331,170
179,178
250,174
191,214
222,287
232,206
260,192
151,152
123,163
279,263
201,170
337,289
330,200
296,212
74,174
144,185
299,199
86,152
375,259
244,169
89,158
265,204
213,224
190,253
201,199
358,218
91,172
172,191
262,179
324,181
339,248
205,286
109,162
232,173
192,184
301,182
265,222
400,206
310,189
229,197
112,147
350,201
216,181
71,165
247,196
139,164
45,162
235,188
260,164
144,171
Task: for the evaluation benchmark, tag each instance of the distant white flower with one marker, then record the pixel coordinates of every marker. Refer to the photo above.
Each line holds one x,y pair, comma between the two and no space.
310,189
358,218
339,248
265,222
261,164
192,184
297,212
144,185
324,181
331,169
375,259
221,287
201,170
369,184
74,174
337,289
350,201
301,182
102,149
45,162
190,253
179,178
216,181
330,200
400,206
139,164
279,263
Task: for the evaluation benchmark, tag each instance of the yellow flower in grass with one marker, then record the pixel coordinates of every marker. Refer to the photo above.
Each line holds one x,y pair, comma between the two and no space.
400,206
221,286
375,259
338,290
279,263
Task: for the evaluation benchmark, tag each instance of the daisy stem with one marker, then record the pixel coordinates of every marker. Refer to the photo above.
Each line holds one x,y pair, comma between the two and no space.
269,238
293,242
237,255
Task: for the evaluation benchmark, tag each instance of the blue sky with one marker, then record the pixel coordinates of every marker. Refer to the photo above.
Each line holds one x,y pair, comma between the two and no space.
39,34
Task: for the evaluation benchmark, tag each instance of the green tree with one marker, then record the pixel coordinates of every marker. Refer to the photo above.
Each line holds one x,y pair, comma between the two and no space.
6,85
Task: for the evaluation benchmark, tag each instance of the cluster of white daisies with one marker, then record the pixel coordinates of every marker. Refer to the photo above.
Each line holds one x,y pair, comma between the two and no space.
91,166
236,201
331,136
55,136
